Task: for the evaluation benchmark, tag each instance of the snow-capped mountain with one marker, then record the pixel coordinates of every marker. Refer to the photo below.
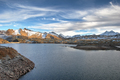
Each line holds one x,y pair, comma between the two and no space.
24,32
75,36
28,33
109,33
52,35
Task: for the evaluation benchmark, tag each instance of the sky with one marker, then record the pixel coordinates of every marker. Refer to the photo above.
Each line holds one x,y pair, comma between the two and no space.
67,17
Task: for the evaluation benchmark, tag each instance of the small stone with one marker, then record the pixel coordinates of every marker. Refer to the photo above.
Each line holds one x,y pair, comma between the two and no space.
11,73
11,76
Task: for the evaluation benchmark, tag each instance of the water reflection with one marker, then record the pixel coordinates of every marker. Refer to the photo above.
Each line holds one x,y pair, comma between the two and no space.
55,62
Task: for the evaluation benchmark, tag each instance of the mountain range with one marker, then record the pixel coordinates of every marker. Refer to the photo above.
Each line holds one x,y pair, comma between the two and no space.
28,33
51,35
110,33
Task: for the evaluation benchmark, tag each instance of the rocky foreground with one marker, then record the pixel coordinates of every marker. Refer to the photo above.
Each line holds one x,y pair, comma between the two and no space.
13,65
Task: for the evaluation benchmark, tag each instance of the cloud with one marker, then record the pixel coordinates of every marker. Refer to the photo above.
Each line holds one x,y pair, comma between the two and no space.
18,15
32,8
72,33
74,14
22,12
1,25
105,18
105,14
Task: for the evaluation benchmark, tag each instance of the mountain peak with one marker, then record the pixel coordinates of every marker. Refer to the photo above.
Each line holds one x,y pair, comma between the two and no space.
27,29
53,33
112,31
108,33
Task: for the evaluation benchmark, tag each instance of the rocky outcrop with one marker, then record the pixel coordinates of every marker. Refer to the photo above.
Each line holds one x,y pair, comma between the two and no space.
10,32
13,65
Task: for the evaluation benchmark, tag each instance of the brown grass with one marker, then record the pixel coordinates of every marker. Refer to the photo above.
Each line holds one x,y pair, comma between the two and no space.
8,51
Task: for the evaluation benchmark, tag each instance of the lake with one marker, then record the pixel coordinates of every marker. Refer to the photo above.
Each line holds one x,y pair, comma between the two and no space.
60,62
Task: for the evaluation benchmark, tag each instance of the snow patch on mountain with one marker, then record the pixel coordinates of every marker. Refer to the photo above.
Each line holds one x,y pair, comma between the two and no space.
16,32
30,33
44,35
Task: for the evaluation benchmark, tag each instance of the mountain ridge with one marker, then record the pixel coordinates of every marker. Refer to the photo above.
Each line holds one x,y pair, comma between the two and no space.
108,33
29,33
46,35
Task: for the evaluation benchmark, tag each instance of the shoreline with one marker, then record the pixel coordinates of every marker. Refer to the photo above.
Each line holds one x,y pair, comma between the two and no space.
13,65
82,46
95,47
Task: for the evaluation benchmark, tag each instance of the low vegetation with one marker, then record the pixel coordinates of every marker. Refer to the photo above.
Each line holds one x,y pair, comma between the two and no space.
7,52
